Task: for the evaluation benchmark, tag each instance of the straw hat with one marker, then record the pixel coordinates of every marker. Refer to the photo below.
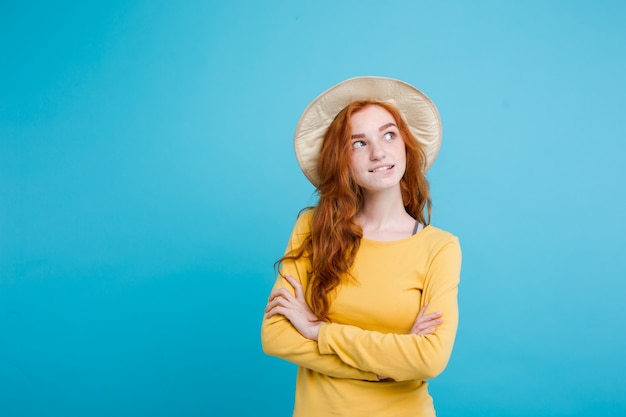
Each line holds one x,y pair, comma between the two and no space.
418,110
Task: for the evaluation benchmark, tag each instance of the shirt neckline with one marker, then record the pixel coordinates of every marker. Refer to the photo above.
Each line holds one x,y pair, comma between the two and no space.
398,241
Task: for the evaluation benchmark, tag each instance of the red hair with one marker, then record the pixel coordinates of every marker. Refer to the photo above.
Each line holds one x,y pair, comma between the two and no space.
335,235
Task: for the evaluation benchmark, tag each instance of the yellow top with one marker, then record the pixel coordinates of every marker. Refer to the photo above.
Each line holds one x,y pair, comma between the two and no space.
366,333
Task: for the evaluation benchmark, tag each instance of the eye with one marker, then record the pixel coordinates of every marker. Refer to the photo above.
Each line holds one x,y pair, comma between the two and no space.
358,144
389,135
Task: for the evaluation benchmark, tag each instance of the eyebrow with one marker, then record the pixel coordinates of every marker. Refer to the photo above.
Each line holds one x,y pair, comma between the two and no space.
387,126
380,129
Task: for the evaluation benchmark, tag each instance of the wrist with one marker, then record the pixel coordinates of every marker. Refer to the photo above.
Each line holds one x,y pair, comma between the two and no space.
315,330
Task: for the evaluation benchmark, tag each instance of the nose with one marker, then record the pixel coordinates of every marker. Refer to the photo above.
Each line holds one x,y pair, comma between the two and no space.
377,151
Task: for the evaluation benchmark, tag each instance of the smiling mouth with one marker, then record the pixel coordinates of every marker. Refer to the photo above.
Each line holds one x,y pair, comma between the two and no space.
383,168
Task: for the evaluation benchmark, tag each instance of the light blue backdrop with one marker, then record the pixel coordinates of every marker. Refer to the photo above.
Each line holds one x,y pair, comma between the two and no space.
148,183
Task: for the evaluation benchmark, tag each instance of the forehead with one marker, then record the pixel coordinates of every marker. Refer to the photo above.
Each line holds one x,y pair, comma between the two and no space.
371,115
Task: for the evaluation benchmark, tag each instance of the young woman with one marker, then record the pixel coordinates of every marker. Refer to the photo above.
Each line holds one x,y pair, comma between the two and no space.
366,298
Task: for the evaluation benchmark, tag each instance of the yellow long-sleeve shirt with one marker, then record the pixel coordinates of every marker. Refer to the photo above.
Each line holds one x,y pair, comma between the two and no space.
367,330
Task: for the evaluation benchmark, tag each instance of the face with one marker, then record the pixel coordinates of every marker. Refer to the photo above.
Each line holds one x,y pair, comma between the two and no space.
378,156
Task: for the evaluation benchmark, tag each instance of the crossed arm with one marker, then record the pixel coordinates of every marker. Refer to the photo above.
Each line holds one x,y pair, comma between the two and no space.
291,331
294,308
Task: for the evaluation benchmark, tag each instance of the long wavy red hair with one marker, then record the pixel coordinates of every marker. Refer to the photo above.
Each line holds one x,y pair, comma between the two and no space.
335,235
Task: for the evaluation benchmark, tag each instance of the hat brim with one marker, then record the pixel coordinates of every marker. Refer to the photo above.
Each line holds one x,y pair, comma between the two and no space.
419,111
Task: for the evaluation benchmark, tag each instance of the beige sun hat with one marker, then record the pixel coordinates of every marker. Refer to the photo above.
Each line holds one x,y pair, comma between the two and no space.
418,110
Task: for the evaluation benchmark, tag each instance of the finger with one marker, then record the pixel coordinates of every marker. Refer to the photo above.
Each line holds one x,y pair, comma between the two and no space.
422,310
424,331
429,330
296,286
272,304
277,310
279,300
430,322
281,292
431,316
421,325
278,293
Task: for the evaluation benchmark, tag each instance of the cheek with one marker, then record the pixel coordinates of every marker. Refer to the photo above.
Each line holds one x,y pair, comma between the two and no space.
356,158
402,152
352,162
402,159
353,165
403,168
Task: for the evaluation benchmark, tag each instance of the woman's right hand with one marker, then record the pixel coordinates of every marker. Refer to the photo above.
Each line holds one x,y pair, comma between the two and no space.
426,323
294,308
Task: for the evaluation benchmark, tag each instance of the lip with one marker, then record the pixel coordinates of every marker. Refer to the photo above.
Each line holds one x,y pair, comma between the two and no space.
382,168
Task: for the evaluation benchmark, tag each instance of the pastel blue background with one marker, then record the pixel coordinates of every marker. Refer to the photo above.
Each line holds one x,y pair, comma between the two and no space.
148,183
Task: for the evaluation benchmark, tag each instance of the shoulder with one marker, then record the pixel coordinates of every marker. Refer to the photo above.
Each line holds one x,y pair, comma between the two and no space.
440,234
304,220
438,239
302,227
444,252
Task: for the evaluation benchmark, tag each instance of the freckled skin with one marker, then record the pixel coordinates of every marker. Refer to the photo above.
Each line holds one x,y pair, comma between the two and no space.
376,143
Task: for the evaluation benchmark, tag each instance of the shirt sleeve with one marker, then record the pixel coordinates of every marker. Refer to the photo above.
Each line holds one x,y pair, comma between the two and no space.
405,356
278,336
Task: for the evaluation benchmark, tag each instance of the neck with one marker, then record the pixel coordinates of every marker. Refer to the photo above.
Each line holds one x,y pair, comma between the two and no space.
383,211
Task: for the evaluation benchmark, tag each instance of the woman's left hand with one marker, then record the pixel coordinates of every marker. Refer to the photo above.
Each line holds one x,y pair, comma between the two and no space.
295,309
426,324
